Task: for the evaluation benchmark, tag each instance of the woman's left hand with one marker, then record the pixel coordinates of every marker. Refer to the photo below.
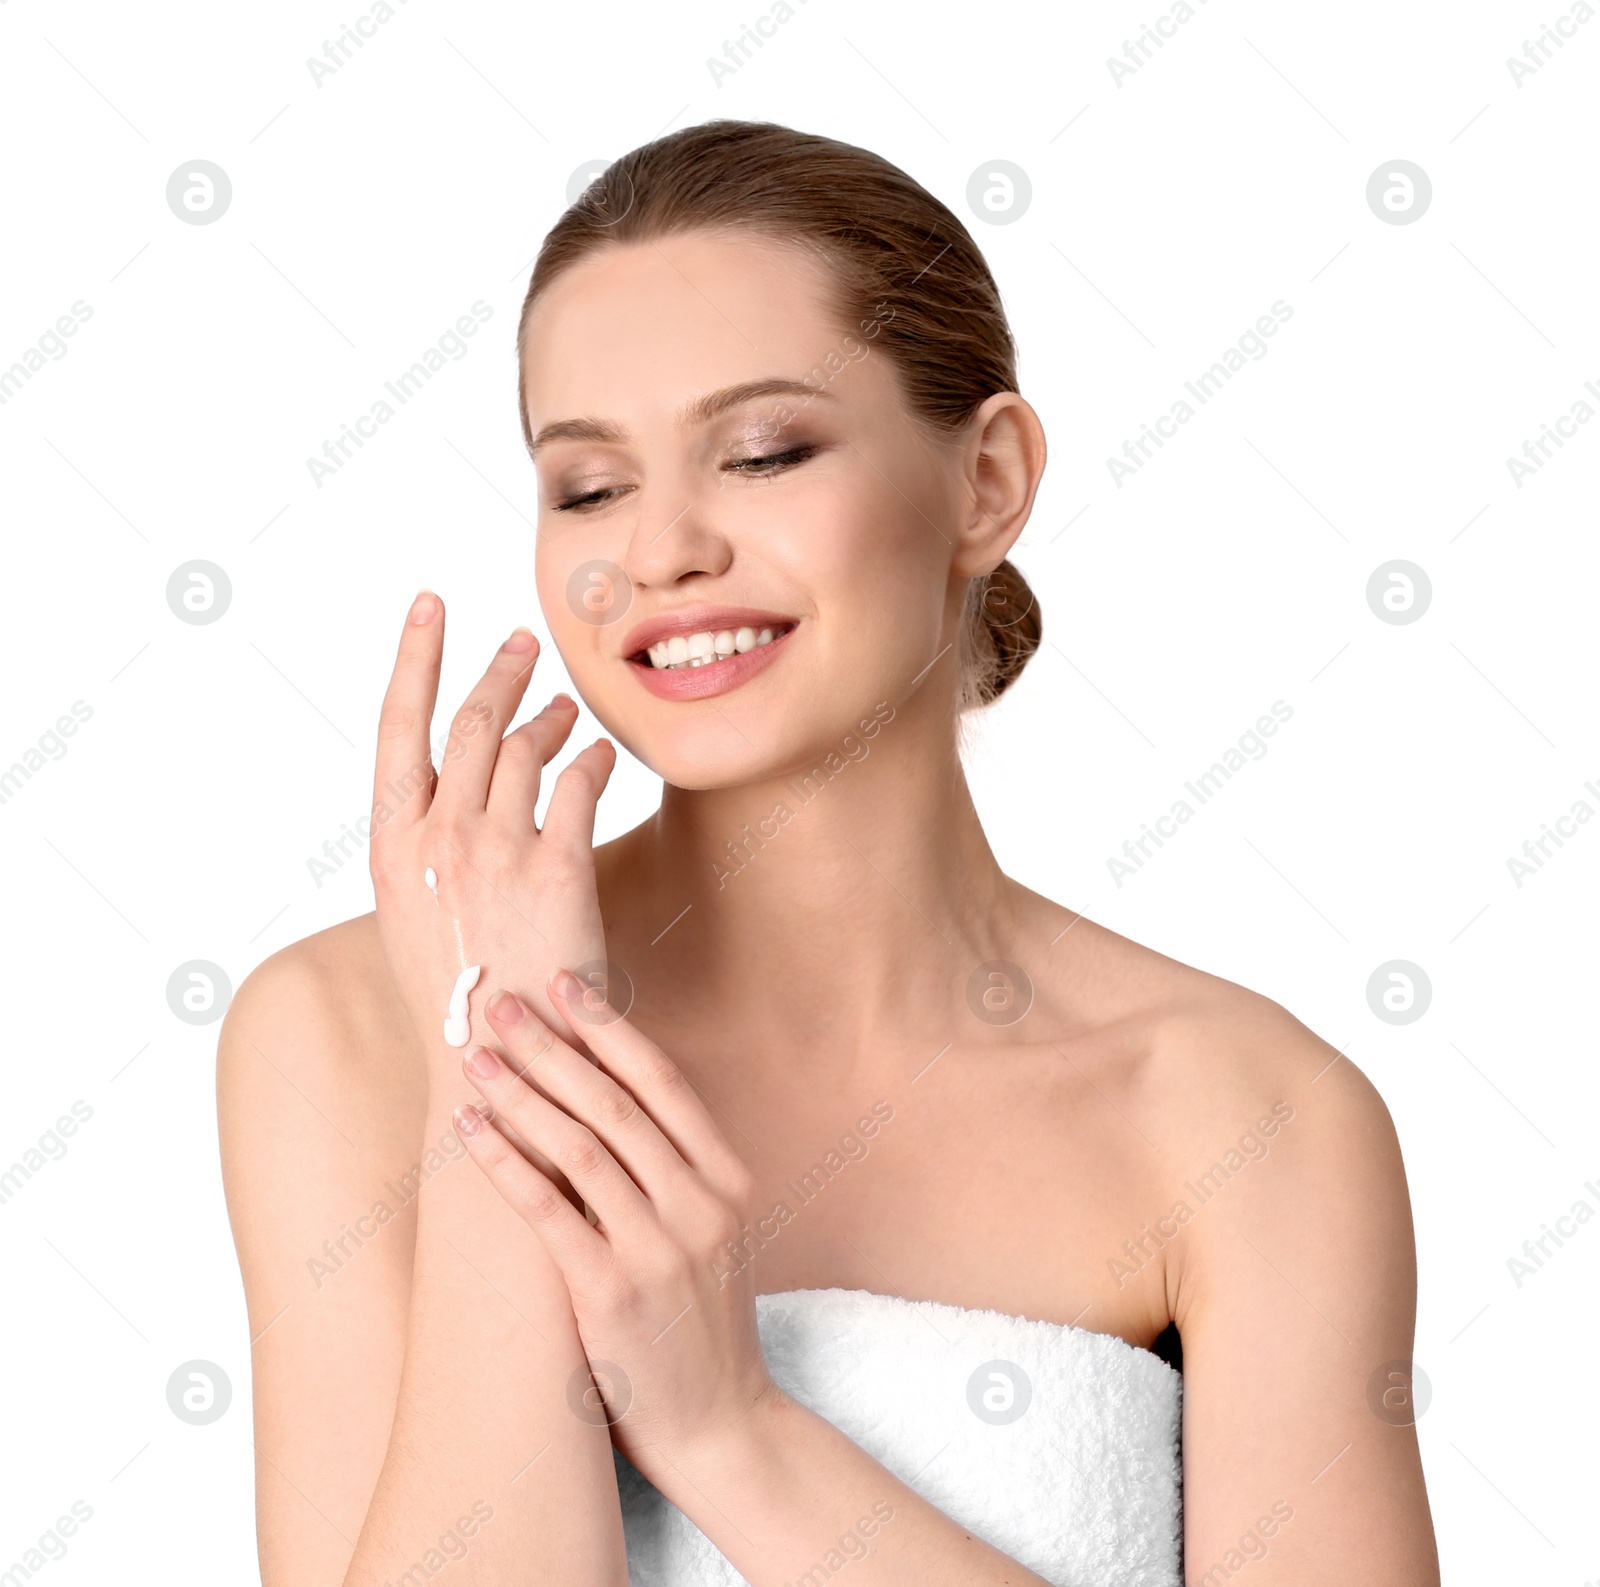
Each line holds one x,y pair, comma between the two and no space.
665,1310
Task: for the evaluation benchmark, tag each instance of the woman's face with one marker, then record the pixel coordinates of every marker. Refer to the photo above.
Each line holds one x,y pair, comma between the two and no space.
684,520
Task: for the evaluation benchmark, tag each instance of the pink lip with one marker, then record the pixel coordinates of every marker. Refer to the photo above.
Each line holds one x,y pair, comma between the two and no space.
698,620
715,677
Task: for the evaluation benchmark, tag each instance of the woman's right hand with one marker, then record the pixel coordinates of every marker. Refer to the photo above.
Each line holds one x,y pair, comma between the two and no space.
516,899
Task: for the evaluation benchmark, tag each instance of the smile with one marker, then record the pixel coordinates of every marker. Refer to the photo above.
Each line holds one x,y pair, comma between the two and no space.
706,648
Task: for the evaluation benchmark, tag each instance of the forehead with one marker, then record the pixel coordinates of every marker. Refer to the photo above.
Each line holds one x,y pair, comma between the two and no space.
640,325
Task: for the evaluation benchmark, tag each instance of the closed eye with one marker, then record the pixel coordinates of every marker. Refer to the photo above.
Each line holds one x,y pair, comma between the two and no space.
772,462
578,503
766,466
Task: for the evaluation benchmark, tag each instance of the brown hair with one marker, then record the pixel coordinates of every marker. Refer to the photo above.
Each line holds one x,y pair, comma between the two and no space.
898,257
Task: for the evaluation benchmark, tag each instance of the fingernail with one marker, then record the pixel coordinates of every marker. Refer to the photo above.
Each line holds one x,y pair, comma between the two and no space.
505,1008
482,1064
468,1121
520,642
566,985
564,699
422,608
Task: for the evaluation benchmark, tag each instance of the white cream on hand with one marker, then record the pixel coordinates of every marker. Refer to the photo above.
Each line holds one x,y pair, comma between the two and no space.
431,877
456,1030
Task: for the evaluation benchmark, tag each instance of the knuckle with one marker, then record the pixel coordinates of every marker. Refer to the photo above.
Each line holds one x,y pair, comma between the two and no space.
719,1227
662,1075
615,1107
583,1155
577,778
451,827
396,720
542,1202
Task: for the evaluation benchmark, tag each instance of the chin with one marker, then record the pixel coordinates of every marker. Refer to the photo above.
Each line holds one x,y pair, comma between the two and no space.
706,750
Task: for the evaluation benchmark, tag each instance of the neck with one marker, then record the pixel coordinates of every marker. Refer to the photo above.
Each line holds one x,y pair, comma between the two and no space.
851,895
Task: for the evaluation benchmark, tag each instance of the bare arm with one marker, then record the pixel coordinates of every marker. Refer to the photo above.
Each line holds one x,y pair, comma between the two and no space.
407,1370
1296,1301
413,1406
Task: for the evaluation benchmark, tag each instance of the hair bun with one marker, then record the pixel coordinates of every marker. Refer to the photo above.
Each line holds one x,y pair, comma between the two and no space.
1009,627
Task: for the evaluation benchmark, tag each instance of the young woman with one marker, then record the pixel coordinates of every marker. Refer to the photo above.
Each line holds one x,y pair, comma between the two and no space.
824,1221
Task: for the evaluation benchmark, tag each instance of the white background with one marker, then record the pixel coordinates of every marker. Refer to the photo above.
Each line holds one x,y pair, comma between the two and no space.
1167,214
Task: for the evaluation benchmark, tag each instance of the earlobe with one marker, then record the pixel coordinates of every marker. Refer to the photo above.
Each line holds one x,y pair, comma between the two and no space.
1005,463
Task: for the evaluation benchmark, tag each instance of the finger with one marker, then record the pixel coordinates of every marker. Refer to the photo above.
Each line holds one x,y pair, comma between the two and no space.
534,1155
469,752
570,819
658,1084
404,776
592,1097
514,784
574,1148
575,1246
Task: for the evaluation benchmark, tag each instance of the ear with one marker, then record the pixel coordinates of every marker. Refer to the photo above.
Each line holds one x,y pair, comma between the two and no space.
1004,457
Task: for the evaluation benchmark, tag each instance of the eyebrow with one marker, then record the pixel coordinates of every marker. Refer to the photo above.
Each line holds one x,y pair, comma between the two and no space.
699,410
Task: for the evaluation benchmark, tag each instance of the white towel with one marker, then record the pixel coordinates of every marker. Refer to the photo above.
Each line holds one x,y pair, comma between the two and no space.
1082,1485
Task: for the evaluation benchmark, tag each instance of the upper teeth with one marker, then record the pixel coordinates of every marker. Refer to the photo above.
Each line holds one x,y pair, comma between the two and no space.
695,650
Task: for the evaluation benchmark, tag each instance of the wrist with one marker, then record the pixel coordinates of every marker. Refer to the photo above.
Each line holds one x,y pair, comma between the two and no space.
744,1448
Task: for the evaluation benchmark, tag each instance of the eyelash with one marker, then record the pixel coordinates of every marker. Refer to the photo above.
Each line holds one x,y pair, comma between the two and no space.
750,466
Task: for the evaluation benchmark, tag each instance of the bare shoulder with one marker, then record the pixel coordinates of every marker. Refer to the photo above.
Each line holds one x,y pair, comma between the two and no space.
319,1079
334,983
1271,1223
1220,1078
1205,1053
1270,1140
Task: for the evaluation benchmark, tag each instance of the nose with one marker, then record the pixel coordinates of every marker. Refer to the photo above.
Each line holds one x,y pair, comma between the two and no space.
675,539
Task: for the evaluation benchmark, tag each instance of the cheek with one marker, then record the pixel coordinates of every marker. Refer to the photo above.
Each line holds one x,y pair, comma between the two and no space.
583,597
860,549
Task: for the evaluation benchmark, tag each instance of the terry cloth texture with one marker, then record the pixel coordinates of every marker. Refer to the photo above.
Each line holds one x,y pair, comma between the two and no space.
1083,1485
